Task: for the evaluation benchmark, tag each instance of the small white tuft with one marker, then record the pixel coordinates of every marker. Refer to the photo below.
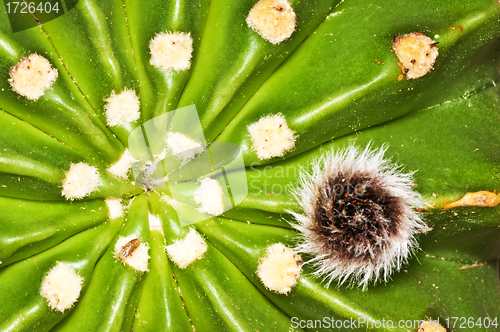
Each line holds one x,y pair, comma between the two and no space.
274,20
155,222
183,147
209,195
61,287
122,166
416,52
115,207
170,201
271,137
431,326
280,269
359,218
131,251
171,50
186,251
32,76
122,108
81,180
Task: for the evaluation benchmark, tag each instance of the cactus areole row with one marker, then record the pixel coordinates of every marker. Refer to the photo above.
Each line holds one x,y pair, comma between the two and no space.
250,165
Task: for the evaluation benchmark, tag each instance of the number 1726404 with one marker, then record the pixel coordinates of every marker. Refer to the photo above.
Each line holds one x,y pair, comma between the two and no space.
23,7
471,322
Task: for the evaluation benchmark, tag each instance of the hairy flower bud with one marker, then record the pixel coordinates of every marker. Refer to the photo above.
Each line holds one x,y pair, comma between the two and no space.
359,219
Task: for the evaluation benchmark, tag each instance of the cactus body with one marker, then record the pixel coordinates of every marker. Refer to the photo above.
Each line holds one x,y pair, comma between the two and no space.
226,216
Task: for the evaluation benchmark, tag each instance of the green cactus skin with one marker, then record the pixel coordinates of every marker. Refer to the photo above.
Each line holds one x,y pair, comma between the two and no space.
335,83
160,308
28,310
115,282
29,227
351,91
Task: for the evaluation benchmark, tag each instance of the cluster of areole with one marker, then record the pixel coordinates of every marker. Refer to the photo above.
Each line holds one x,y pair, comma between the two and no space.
334,228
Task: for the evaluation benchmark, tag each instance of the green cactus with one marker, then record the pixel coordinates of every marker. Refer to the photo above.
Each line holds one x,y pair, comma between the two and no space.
120,212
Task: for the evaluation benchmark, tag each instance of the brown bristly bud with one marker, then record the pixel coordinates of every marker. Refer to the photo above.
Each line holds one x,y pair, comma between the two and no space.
359,219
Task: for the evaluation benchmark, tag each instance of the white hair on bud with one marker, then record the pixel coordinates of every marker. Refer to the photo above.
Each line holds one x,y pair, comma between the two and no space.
271,137
32,76
274,20
183,147
155,222
81,180
133,252
115,207
185,251
61,287
170,201
171,50
359,219
122,166
209,195
122,108
280,269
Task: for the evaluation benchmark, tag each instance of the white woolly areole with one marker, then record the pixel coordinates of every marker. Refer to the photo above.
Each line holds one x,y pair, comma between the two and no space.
186,251
170,201
271,137
155,222
274,20
431,326
209,195
136,257
61,287
122,108
416,52
388,241
280,269
183,147
81,180
122,166
32,76
171,50
115,207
